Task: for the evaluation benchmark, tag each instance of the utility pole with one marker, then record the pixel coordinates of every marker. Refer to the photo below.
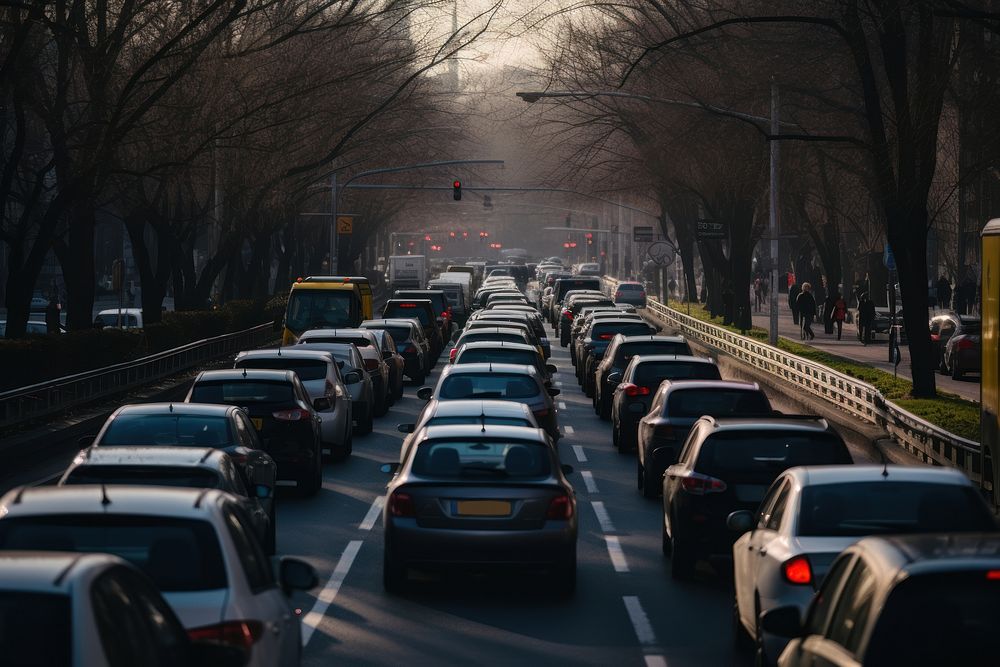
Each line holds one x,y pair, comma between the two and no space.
333,224
772,337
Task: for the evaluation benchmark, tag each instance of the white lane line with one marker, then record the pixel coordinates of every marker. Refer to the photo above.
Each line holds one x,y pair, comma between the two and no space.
616,554
373,514
562,405
329,592
603,517
640,622
559,383
588,481
580,456
655,661
569,430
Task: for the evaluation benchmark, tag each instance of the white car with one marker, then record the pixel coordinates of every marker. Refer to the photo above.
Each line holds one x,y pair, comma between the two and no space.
119,318
812,513
92,610
196,545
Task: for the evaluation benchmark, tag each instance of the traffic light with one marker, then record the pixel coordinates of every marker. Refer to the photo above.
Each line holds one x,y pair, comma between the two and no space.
457,190
590,238
451,234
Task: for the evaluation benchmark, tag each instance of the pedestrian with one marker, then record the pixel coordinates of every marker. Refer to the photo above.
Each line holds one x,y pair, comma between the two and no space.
672,286
828,306
52,316
944,292
806,304
793,294
866,318
758,295
839,314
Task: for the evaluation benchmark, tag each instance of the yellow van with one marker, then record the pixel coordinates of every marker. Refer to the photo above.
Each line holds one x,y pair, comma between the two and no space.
319,302
364,287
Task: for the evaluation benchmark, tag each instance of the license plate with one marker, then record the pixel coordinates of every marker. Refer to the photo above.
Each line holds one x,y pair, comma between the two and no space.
482,507
258,422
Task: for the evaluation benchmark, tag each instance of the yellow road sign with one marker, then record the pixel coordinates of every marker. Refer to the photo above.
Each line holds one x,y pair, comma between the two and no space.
345,224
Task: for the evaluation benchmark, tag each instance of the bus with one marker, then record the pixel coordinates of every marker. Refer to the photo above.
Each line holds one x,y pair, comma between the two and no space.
320,303
989,398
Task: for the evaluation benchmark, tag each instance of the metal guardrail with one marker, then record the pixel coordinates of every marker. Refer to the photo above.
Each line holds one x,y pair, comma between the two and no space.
48,398
930,443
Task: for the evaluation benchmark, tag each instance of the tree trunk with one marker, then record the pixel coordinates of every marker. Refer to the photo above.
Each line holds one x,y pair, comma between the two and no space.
910,251
80,275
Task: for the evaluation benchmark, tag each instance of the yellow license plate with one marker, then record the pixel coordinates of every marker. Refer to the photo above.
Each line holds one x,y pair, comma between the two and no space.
258,422
482,507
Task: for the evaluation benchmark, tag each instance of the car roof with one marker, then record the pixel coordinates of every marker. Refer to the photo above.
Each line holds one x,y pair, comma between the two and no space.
498,344
124,311
388,322
246,374
619,320
682,385
838,474
346,332
478,430
286,352
776,423
203,409
686,358
489,367
482,330
651,337
48,571
179,502
474,408
422,302
151,456
931,553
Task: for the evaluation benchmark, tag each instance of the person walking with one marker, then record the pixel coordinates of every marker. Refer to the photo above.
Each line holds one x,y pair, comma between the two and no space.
793,294
52,316
758,294
839,314
828,305
806,304
866,318
944,292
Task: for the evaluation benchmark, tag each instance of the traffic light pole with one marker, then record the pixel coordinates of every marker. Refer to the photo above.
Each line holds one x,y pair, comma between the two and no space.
772,335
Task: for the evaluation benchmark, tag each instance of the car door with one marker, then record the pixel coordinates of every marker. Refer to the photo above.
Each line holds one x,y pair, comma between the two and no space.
801,651
745,556
760,559
840,643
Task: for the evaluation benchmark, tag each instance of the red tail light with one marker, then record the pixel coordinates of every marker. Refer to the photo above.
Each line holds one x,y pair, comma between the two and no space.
618,294
243,634
560,509
993,575
797,570
293,415
371,364
401,504
568,315
451,355
698,485
964,344
407,305
642,294
633,390
606,336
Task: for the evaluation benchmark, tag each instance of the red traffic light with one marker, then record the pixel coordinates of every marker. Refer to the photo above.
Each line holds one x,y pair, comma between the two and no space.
451,234
456,184
465,235
457,190
589,235
427,237
566,245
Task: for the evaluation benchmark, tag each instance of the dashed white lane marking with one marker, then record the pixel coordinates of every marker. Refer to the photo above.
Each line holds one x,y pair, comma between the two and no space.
373,514
580,456
616,553
329,592
562,405
569,430
588,481
558,383
655,661
603,517
640,622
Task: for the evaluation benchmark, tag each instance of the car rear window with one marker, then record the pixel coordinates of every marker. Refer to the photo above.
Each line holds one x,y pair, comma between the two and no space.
487,419
760,456
652,373
491,335
602,331
972,328
855,509
489,385
399,334
176,430
439,300
626,287
716,402
406,309
35,628
358,341
177,554
626,350
190,477
481,459
497,356
306,369
242,392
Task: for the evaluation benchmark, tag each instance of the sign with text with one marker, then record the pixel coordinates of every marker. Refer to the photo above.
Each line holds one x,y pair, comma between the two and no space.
712,229
642,234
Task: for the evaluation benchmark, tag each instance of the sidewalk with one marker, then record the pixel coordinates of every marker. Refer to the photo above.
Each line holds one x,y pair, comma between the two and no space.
875,354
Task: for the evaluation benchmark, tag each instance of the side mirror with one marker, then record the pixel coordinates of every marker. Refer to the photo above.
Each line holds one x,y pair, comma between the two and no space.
554,392
782,621
389,468
321,404
296,575
262,491
567,469
353,377
425,393
405,428
740,521
615,378
86,441
214,654
340,364
551,368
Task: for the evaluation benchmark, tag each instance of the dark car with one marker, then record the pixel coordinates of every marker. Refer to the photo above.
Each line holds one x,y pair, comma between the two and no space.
577,342
676,406
393,360
633,293
532,319
957,339
504,353
727,465
638,385
280,410
587,317
480,495
596,341
914,600
563,285
438,299
572,307
421,310
616,358
410,344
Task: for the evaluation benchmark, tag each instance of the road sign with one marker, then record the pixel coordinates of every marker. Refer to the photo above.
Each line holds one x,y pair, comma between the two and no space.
888,258
642,234
660,253
345,224
712,229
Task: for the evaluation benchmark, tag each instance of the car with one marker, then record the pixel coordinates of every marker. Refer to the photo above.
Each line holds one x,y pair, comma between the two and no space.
195,545
506,298
811,514
631,293
560,286
439,302
357,380
578,336
588,269
195,467
510,307
421,310
481,495
586,317
915,600
523,384
504,353
93,609
531,318
527,327
557,309
572,307
482,412
621,349
320,375
492,333
394,360
119,318
727,465
676,405
281,412
595,342
957,339
410,344
370,350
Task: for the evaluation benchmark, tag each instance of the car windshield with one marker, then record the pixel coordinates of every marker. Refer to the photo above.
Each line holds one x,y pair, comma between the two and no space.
190,477
477,419
35,628
760,456
652,373
480,459
948,618
177,554
497,355
409,310
855,509
629,287
168,429
242,392
627,350
716,402
319,309
488,385
306,369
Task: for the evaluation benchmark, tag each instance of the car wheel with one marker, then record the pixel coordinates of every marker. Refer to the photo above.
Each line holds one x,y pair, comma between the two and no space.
398,394
564,576
760,655
366,424
956,370
650,489
682,561
741,638
393,573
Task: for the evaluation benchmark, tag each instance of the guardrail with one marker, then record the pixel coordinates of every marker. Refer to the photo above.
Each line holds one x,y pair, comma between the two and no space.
930,443
48,398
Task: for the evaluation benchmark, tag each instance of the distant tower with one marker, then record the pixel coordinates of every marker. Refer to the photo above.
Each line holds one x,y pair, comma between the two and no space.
453,61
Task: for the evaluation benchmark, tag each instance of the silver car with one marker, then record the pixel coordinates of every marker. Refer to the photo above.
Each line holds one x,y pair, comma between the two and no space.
368,347
320,375
356,379
482,496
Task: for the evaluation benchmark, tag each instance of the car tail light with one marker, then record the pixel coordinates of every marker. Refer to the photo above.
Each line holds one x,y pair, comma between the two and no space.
797,570
451,355
293,415
407,305
633,390
561,508
993,575
698,485
371,364
401,504
964,344
642,294
243,634
606,336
